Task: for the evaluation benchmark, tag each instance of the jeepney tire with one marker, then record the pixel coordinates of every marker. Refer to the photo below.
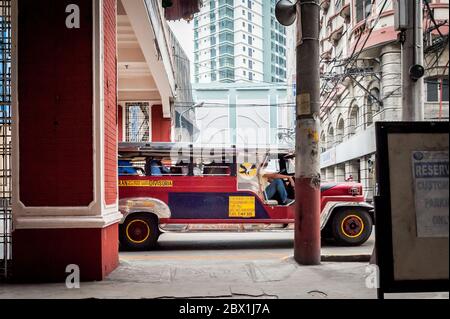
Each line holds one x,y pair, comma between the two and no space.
351,227
147,232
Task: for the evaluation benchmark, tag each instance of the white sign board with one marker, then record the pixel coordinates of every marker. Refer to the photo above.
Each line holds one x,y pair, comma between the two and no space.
431,192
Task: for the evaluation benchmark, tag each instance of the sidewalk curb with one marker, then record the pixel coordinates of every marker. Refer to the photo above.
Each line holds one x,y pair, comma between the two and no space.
346,258
361,258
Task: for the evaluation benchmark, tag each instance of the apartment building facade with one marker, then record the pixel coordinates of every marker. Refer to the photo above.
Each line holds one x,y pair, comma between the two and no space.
360,67
239,41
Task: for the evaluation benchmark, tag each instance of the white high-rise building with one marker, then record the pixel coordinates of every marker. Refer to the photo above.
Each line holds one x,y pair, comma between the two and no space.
239,41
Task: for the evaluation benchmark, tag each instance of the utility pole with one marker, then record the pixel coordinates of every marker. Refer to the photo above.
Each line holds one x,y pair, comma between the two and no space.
307,175
412,58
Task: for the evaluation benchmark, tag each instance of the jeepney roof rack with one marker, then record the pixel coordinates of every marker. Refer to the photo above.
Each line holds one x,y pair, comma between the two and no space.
164,148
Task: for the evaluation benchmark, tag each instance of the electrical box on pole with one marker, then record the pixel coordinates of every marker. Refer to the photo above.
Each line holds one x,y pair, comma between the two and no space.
401,19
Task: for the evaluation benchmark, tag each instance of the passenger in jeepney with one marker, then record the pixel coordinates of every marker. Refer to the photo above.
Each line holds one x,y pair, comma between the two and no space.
154,167
272,185
198,167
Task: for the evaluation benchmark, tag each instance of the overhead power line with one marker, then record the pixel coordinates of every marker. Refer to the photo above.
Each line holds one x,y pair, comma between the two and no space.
354,56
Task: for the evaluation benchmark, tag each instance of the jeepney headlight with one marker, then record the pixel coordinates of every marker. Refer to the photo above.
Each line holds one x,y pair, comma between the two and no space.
354,191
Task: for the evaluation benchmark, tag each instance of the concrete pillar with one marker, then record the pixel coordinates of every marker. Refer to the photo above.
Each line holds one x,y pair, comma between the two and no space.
339,173
391,83
352,168
64,139
366,178
323,174
330,174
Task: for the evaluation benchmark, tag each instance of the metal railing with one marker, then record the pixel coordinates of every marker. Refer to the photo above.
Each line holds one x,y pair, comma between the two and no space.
5,137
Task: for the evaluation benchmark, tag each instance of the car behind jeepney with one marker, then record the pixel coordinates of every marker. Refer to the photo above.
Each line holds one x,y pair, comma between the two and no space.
171,183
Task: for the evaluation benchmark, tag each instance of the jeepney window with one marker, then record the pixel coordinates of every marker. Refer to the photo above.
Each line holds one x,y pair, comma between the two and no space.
290,166
152,166
128,167
274,165
166,167
212,162
217,169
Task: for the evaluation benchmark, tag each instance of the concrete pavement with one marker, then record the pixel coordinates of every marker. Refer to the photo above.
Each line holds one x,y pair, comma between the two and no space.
280,278
220,265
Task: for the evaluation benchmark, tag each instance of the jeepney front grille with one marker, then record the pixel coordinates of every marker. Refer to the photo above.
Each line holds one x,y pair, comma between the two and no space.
5,138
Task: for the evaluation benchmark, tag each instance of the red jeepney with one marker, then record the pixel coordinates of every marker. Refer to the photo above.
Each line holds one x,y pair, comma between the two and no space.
171,183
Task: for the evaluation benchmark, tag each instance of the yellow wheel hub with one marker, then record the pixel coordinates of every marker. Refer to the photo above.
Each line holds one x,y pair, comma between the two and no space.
137,231
352,226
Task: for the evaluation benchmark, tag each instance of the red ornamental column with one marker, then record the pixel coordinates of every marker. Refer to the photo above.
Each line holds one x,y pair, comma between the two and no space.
65,206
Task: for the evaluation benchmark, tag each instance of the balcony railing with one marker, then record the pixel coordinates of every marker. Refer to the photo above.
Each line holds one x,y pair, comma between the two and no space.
160,29
335,27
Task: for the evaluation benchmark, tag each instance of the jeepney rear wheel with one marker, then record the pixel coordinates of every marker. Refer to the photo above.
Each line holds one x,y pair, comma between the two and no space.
351,227
139,232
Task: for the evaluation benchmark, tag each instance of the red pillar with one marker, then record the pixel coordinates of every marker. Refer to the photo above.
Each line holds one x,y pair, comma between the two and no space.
307,222
64,139
161,127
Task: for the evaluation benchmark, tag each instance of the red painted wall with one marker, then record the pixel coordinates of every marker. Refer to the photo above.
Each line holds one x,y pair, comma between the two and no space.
161,127
110,249
41,255
55,94
110,95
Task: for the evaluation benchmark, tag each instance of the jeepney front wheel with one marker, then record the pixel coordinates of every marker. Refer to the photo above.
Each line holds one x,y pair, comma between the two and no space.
139,232
351,227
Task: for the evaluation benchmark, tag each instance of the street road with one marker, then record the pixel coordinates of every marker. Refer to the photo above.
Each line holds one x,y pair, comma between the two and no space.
232,245
239,246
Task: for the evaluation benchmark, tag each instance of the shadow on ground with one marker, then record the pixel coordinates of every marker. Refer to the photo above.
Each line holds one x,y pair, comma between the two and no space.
231,244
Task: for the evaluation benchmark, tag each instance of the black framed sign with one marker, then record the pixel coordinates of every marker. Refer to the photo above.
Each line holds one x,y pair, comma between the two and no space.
412,206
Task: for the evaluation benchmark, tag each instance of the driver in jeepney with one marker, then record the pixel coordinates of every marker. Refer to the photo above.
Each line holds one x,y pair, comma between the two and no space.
272,185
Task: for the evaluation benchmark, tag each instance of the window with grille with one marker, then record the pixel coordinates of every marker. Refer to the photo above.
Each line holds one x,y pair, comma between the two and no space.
137,122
